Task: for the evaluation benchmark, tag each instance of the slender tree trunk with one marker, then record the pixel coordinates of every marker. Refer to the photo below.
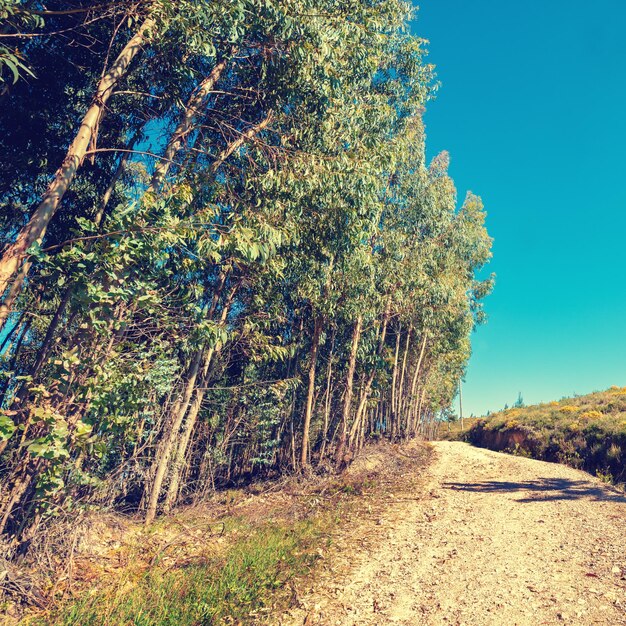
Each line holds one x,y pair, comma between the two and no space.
347,399
394,376
6,308
461,405
327,398
35,230
54,323
359,416
403,421
19,487
181,450
419,410
413,412
240,141
306,427
185,126
106,197
43,350
176,418
292,431
370,379
361,442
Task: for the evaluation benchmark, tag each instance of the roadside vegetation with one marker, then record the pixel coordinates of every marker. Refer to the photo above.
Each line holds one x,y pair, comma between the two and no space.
242,557
587,432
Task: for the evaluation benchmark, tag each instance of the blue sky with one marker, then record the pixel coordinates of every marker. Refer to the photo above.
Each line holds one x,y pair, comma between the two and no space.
532,109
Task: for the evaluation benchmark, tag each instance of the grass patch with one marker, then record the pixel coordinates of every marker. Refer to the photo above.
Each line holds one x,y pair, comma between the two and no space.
251,578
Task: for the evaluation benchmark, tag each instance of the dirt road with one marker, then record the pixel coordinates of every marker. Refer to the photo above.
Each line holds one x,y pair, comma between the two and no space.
489,539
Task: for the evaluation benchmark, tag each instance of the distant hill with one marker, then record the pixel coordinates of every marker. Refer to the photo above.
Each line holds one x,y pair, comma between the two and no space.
586,432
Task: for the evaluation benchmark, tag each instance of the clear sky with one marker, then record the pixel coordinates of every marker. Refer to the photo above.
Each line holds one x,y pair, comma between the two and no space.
532,108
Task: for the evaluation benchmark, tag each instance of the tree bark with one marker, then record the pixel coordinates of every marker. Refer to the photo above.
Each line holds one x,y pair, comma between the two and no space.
370,379
347,400
317,331
185,126
6,307
163,455
196,405
413,411
36,227
403,428
394,376
327,398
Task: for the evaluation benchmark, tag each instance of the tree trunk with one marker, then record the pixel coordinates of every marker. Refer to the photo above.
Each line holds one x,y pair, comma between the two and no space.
419,410
368,385
304,453
185,126
394,376
347,399
235,145
413,411
327,398
181,450
402,429
177,415
461,406
106,197
36,228
6,308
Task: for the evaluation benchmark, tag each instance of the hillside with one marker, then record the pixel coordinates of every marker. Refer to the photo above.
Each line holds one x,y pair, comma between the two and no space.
586,432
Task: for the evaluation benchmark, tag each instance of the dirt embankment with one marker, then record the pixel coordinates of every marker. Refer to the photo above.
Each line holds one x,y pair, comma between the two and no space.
487,539
594,448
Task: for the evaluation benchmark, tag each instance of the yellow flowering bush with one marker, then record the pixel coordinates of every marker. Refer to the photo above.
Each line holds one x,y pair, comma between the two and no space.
590,415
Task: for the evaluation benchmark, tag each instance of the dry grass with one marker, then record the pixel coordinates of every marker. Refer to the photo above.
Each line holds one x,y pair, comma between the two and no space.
236,557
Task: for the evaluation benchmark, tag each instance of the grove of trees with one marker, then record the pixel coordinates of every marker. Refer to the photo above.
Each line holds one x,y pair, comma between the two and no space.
223,251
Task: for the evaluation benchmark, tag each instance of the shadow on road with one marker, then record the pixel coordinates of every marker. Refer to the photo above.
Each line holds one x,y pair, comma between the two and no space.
543,489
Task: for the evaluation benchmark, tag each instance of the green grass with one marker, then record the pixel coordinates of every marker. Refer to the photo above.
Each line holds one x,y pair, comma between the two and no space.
251,577
587,432
234,565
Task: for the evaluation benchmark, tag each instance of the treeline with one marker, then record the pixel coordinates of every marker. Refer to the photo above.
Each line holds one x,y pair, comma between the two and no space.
241,263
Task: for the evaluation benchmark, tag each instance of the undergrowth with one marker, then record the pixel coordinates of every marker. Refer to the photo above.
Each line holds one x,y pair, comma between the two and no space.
235,586
237,561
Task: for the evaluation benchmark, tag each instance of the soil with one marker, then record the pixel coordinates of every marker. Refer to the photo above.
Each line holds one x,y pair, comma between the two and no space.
482,538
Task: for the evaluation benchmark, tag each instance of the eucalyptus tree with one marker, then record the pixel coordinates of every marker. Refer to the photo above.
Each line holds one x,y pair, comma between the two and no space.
243,264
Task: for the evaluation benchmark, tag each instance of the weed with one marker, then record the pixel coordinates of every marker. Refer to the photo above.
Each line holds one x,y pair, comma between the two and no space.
605,476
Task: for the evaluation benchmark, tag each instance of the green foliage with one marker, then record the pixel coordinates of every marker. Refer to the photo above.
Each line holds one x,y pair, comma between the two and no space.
191,328
222,589
14,17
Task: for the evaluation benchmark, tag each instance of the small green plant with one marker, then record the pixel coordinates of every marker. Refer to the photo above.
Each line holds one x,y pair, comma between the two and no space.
605,476
521,451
